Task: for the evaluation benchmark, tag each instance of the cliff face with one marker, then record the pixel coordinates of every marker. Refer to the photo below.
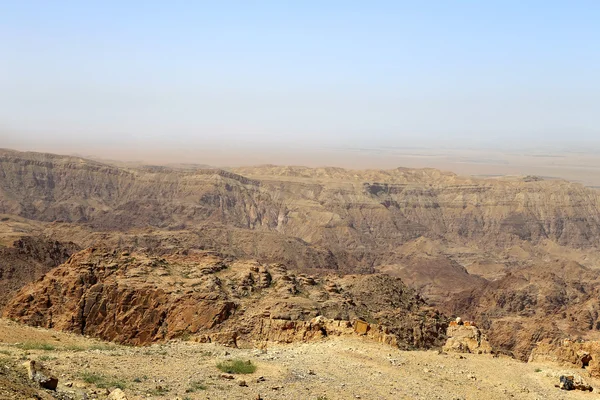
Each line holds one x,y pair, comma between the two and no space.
360,216
139,299
48,188
28,260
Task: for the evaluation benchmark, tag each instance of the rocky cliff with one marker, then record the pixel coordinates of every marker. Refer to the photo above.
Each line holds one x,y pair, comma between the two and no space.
28,260
139,299
360,216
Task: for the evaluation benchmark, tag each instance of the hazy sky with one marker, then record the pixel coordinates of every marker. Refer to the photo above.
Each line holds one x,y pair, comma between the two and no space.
191,74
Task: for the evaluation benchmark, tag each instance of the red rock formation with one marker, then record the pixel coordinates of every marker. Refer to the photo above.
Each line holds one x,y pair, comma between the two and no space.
132,298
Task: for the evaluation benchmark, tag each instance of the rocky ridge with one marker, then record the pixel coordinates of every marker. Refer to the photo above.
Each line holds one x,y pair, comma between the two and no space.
139,299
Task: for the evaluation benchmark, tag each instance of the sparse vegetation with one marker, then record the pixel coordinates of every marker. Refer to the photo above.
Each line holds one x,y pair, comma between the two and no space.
195,386
538,370
102,381
5,352
36,346
237,366
101,347
46,358
159,391
75,348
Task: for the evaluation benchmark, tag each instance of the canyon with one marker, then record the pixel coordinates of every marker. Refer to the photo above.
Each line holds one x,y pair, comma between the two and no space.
282,254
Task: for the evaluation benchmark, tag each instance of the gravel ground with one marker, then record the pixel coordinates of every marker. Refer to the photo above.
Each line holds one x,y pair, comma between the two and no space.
340,368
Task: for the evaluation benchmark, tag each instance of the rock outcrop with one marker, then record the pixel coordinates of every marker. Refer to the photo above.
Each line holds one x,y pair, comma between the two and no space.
579,353
466,338
40,375
532,303
28,260
360,216
139,299
516,255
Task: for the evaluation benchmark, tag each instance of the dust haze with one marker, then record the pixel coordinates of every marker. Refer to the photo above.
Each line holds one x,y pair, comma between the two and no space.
578,163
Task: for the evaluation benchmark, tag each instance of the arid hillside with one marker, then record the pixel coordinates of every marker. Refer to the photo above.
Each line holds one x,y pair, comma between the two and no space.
361,216
139,299
518,255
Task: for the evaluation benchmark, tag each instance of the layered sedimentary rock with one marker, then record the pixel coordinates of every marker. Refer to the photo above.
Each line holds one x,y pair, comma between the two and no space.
361,217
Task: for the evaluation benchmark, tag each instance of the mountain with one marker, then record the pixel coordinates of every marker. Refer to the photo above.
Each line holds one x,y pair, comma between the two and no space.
494,250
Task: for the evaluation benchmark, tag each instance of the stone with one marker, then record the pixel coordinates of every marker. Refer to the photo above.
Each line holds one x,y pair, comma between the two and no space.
117,394
242,384
40,375
566,383
361,327
466,339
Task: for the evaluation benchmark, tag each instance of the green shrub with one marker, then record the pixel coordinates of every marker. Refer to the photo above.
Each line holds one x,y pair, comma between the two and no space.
102,381
195,386
36,346
237,366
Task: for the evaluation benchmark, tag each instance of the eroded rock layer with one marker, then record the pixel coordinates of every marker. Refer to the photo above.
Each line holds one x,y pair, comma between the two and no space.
139,299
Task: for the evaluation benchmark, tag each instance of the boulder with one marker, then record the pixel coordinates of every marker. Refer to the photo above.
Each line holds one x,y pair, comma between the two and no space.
40,375
117,394
569,382
466,339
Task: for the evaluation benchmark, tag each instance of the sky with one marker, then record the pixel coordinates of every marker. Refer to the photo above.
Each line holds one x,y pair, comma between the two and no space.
101,76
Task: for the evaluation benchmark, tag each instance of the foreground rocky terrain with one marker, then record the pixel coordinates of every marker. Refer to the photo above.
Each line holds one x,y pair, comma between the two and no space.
333,368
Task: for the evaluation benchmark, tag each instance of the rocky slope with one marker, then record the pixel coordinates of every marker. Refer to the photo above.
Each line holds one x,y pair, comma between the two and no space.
535,302
360,216
139,299
27,260
517,255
